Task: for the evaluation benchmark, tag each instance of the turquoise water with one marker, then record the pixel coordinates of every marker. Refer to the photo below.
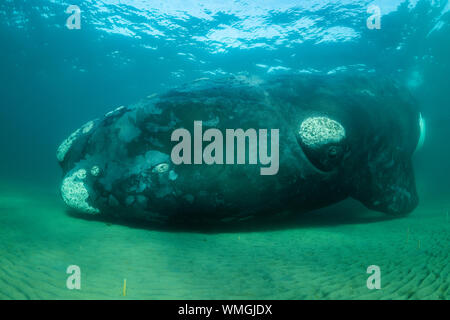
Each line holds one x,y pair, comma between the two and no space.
54,79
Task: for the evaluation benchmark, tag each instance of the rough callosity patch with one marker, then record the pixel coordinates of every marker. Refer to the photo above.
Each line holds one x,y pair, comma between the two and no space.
317,131
67,144
161,168
87,127
110,113
75,193
95,171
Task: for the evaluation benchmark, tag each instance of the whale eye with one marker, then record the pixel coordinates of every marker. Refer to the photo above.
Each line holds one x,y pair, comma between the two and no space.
323,141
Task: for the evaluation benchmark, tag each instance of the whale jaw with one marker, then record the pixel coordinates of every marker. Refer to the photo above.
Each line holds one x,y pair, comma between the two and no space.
391,190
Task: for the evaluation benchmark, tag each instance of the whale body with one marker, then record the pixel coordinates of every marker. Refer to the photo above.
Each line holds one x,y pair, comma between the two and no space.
339,136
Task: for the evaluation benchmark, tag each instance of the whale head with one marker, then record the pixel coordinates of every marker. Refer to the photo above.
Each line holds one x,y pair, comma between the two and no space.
367,141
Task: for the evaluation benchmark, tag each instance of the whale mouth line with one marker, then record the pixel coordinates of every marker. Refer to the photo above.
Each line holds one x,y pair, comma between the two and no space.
315,168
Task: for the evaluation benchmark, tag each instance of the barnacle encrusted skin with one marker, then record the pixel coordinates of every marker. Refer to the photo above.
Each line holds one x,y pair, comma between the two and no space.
75,193
87,127
318,131
67,144
161,168
110,113
95,171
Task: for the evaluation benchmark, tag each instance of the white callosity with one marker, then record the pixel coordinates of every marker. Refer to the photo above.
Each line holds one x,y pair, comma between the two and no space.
67,144
161,168
95,171
318,131
110,113
75,193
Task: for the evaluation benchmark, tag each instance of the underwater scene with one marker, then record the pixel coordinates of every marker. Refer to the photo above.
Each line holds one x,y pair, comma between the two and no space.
225,150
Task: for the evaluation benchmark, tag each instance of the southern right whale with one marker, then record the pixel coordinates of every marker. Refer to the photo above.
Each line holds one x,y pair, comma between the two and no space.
339,136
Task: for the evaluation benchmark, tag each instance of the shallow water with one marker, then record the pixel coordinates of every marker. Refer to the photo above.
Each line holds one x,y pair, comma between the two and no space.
54,79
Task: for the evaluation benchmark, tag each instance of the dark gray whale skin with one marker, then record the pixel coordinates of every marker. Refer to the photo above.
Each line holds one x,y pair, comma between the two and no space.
120,165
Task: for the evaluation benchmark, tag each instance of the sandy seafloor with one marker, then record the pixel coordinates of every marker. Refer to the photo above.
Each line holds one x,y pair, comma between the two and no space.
320,255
